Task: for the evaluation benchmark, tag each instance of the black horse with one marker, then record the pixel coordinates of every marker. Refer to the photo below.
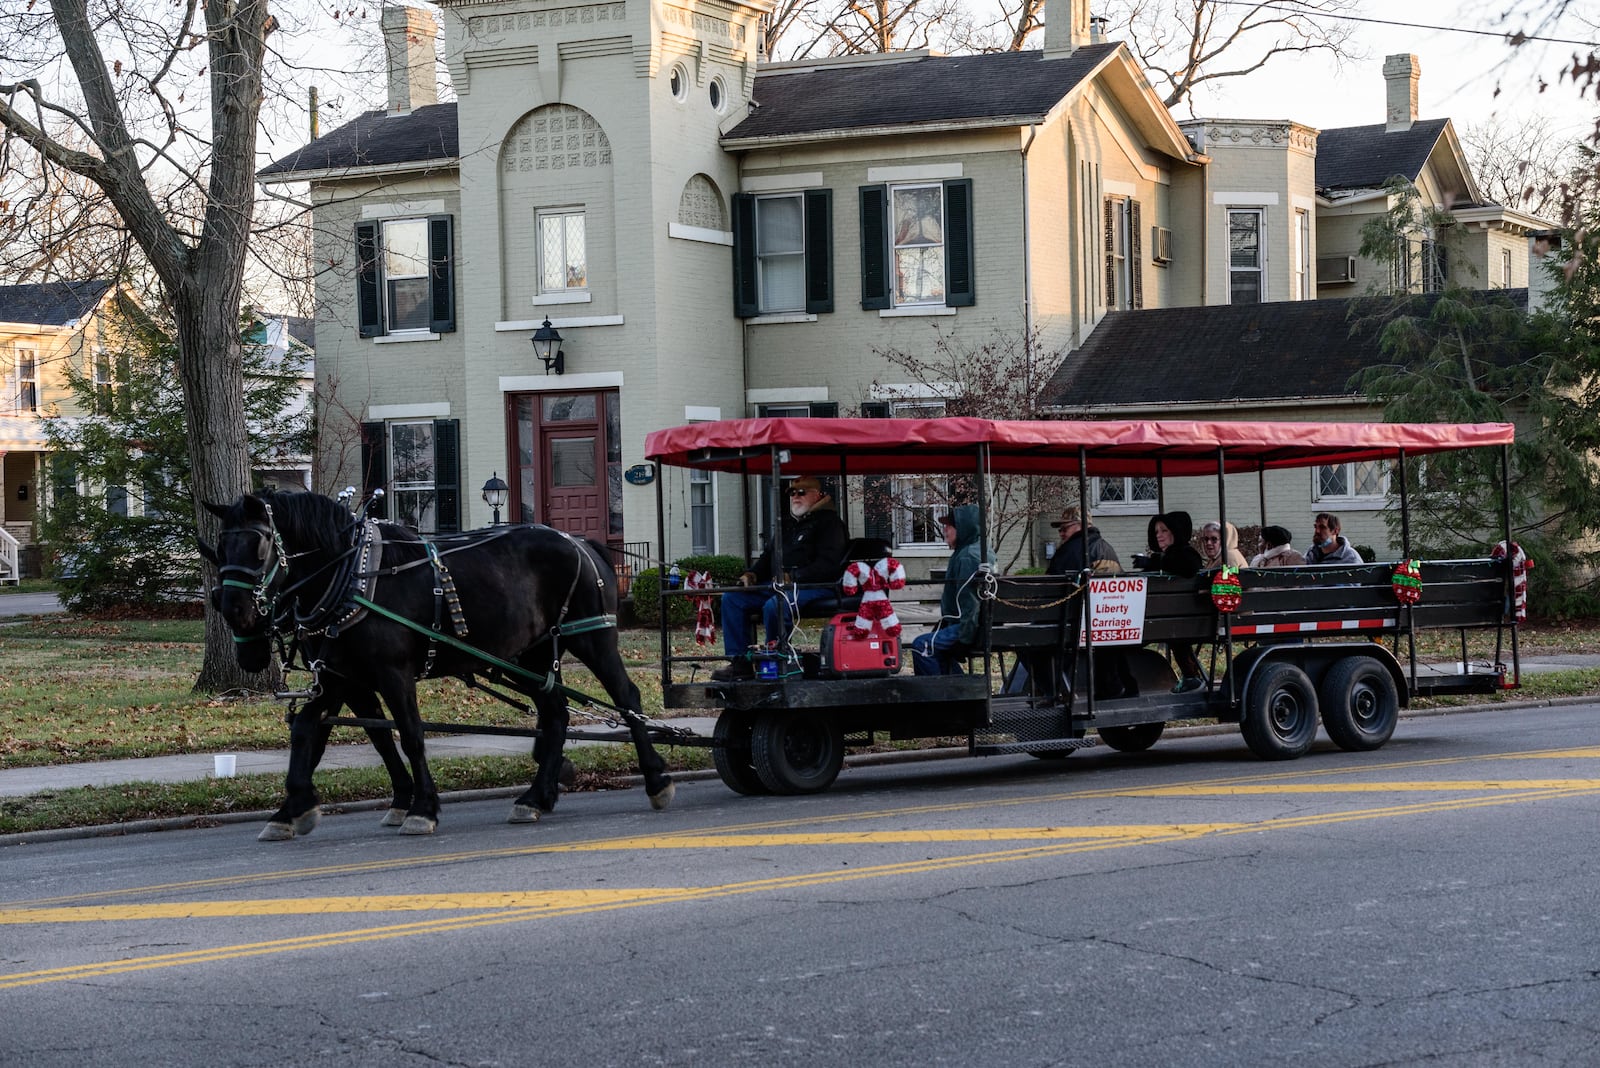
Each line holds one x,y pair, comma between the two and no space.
518,588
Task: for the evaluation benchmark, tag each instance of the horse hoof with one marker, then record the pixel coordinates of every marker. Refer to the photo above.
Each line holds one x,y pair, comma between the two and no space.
418,825
275,832
307,821
664,798
523,814
393,818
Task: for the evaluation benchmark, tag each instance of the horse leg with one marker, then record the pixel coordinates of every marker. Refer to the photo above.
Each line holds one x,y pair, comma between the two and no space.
308,739
541,795
422,817
367,707
598,651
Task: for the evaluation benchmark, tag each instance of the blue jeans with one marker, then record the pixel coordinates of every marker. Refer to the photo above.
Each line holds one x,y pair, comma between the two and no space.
931,653
740,607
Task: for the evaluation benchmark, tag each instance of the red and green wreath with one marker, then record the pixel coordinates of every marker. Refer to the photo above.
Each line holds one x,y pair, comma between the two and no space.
1226,592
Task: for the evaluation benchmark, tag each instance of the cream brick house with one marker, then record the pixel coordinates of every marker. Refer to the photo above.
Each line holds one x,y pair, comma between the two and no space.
714,236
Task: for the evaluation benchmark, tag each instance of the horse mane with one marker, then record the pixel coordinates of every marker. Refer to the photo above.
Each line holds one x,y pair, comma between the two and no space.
311,516
603,551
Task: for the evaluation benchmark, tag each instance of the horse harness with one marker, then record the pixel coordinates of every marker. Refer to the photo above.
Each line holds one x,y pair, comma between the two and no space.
349,597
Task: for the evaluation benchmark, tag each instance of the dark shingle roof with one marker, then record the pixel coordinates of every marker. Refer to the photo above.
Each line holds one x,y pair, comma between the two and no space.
50,303
1249,352
303,329
925,90
1365,157
377,138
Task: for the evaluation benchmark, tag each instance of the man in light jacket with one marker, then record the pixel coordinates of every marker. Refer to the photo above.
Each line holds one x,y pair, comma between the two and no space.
1330,546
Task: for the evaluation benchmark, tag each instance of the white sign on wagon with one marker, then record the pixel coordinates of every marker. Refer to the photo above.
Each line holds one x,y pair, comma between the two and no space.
1116,610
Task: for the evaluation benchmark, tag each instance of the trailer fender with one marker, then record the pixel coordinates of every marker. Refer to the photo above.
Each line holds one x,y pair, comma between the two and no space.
1315,658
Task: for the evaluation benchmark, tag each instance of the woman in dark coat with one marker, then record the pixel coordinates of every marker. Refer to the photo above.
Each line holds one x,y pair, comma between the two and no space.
1171,553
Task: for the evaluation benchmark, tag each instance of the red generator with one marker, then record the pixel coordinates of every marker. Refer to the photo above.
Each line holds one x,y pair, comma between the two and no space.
846,656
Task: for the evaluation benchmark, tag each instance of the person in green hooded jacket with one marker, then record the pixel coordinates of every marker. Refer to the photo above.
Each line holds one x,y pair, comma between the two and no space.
939,651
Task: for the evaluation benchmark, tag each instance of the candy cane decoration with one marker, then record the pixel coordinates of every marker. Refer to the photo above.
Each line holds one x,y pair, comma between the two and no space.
873,582
1520,566
705,624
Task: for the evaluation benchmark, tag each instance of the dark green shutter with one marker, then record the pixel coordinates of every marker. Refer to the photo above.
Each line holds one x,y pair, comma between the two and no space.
369,310
375,466
874,246
447,475
877,491
960,283
746,297
819,250
824,410
1135,256
442,273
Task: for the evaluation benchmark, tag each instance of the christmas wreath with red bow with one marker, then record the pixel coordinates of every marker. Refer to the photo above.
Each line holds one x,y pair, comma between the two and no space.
1226,591
1407,581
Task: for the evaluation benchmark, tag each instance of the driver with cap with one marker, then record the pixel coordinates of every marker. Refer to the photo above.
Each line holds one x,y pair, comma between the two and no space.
814,543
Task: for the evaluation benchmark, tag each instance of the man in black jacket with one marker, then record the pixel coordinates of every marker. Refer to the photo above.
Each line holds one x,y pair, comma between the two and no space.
1080,542
813,552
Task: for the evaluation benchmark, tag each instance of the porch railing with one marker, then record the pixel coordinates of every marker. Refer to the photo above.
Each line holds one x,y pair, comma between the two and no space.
634,558
8,558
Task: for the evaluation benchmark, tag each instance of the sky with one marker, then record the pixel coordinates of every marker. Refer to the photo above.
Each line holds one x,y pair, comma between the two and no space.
1459,74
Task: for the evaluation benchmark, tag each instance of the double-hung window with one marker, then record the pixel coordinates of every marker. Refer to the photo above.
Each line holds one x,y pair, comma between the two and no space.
27,380
563,253
1121,239
102,383
1302,255
783,253
405,282
416,463
1246,279
1362,484
916,245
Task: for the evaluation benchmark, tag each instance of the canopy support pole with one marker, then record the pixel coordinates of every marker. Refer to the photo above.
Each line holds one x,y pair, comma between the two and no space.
1085,615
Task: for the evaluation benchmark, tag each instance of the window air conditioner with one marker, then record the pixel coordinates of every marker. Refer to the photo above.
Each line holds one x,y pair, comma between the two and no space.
1160,244
1336,270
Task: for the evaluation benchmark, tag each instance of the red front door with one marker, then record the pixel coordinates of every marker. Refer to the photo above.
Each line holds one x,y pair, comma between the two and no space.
575,492
568,462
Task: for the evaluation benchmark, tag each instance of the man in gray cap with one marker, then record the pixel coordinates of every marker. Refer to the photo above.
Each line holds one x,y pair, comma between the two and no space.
813,552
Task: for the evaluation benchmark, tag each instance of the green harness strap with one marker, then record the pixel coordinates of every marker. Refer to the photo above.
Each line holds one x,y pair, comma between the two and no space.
546,683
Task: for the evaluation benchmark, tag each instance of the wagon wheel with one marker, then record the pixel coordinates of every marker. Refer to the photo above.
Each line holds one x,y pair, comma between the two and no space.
731,755
1134,739
1360,705
796,751
1280,712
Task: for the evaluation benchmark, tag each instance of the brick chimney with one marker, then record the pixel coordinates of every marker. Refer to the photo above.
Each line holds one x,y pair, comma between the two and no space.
408,36
1401,73
1066,27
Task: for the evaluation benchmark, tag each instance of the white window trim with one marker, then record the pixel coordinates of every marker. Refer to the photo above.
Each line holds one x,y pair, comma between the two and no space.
699,414
401,337
777,318
402,209
1124,507
574,322
1245,200
561,383
403,412
918,173
1261,249
761,289
916,309
790,395
778,183
700,233
1372,502
571,296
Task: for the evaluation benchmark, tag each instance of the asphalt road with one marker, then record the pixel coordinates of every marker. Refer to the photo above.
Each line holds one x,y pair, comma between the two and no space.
1431,903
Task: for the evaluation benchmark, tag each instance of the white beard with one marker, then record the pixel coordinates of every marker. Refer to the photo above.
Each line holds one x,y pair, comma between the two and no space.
798,508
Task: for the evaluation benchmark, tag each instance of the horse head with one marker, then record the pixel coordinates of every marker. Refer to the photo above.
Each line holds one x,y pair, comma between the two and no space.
250,561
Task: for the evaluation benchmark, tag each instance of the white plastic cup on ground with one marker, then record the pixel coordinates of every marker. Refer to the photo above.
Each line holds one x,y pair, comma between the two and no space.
224,764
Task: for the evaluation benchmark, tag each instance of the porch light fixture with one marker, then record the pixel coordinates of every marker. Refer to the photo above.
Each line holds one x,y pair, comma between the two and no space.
495,492
547,346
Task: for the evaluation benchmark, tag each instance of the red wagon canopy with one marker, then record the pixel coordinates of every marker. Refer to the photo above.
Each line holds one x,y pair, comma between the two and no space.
1052,447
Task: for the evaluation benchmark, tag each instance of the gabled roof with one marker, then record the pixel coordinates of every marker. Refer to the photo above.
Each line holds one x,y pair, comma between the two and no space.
986,89
51,303
1365,157
375,139
1289,350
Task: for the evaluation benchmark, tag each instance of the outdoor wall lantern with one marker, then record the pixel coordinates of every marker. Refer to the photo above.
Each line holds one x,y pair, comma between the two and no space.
495,492
547,346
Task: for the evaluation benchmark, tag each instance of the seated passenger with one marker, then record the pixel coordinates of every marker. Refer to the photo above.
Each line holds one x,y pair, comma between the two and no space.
813,552
1330,546
1080,542
1276,550
1217,550
939,651
1170,552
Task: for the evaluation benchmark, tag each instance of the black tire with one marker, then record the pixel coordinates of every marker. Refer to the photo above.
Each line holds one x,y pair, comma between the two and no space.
732,757
1360,705
1134,739
1280,712
796,751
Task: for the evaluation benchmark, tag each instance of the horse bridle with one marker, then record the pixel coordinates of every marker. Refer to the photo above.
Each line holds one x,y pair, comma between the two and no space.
260,579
